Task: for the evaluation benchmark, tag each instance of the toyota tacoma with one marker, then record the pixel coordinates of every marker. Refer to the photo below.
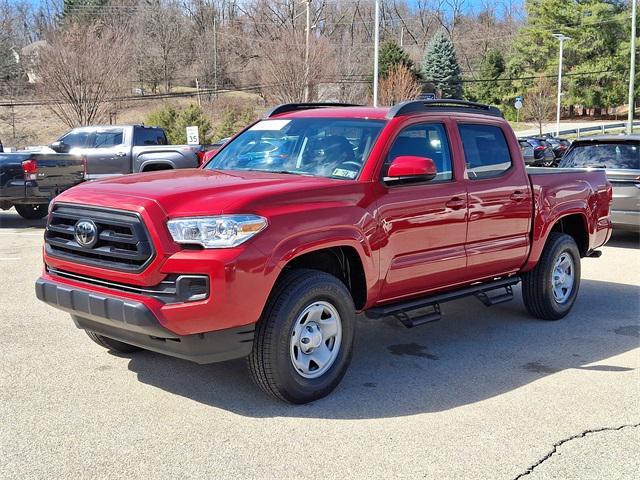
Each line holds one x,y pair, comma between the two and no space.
309,216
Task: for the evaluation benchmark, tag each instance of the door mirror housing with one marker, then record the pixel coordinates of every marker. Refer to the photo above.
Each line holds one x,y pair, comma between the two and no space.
60,147
411,167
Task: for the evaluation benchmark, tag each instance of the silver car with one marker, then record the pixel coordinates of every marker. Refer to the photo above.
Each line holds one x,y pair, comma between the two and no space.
620,156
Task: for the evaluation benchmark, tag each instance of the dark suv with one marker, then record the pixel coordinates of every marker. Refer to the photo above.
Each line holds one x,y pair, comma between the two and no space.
543,155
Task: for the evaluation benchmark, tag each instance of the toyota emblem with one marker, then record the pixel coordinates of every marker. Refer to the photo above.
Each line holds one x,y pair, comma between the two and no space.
86,233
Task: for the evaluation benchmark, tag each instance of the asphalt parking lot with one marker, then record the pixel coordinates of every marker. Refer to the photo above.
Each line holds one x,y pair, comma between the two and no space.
485,393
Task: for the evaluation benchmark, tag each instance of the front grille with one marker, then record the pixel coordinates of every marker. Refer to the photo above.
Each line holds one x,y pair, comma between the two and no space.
123,242
173,289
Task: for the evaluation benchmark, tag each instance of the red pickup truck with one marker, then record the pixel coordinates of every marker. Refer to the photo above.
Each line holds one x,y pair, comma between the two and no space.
310,216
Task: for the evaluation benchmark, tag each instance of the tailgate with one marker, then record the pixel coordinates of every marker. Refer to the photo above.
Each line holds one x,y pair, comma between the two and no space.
58,170
626,189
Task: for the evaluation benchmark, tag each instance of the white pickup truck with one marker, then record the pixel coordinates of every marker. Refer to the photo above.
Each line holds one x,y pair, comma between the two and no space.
121,149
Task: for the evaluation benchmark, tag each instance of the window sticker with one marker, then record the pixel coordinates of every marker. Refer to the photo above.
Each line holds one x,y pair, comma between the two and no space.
341,172
270,125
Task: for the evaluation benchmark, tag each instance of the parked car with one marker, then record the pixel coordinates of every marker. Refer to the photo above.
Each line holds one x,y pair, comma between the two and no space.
386,211
558,145
527,151
123,149
1,147
213,149
620,157
28,180
542,152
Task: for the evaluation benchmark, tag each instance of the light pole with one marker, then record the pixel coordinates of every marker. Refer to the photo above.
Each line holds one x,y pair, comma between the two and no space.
562,38
376,45
306,52
632,70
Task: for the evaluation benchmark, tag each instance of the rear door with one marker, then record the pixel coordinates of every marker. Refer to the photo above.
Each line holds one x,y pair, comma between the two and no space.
424,223
107,152
500,201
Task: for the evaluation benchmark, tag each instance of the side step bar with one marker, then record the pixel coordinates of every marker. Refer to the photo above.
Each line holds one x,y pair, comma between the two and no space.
411,313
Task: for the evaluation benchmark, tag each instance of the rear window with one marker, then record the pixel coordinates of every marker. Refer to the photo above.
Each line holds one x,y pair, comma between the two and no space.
149,136
603,155
485,151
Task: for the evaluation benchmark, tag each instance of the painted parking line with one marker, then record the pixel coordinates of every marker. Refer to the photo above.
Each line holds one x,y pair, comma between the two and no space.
10,258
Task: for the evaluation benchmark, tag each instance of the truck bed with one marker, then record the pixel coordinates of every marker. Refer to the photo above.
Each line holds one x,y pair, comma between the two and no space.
56,172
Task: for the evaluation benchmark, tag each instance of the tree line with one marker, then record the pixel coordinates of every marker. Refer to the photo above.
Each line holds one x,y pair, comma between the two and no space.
84,56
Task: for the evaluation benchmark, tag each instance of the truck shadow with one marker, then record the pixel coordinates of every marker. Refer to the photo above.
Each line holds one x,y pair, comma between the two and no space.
471,355
10,219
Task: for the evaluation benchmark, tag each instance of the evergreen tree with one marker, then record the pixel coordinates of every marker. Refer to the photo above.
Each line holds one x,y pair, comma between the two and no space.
81,10
392,55
175,123
488,89
599,32
440,67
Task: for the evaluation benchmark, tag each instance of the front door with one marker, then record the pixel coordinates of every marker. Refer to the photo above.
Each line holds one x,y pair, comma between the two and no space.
107,153
424,223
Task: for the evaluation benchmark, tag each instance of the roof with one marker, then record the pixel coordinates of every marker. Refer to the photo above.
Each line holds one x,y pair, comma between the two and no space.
609,138
376,113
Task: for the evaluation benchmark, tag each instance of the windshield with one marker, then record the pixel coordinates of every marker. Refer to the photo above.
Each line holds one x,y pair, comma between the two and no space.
603,155
325,147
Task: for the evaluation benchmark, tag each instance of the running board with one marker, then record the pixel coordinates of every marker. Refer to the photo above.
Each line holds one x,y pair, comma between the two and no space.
410,314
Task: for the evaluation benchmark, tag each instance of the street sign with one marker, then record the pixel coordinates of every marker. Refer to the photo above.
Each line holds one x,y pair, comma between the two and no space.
193,138
518,104
519,98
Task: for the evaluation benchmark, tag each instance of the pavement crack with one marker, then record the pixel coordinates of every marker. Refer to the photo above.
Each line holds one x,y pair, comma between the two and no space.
582,434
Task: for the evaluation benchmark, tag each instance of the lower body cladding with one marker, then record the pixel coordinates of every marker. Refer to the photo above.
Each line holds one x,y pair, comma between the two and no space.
135,323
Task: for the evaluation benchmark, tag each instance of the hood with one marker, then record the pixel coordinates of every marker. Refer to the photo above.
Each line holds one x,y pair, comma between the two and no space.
193,191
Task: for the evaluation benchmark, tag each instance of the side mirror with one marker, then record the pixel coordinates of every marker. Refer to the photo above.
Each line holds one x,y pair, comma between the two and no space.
411,167
60,147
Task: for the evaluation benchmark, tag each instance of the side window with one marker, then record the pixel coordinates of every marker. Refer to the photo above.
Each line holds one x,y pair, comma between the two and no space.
427,140
107,138
149,136
486,151
76,138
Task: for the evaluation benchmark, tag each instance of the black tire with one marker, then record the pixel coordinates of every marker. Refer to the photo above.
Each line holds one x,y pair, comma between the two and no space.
32,211
270,361
537,284
111,344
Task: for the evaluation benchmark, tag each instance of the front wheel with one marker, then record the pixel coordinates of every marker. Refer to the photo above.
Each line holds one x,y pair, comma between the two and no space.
304,339
111,344
32,211
550,289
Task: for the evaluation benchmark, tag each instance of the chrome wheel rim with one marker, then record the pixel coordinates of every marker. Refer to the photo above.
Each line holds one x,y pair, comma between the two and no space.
315,339
562,278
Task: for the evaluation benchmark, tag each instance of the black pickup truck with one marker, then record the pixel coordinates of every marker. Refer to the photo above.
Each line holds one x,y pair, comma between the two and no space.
29,180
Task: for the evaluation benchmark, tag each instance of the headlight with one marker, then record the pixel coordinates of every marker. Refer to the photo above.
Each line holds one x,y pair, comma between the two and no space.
223,231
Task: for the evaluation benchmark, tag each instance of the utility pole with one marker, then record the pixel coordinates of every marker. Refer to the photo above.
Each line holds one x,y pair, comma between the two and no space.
376,45
198,92
215,58
306,52
562,38
402,36
632,69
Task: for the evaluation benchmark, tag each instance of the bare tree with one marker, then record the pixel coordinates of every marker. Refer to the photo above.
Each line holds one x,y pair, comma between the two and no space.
80,71
400,84
282,70
163,42
539,102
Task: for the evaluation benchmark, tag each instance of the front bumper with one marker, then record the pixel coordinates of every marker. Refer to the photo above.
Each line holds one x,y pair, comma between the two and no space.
133,322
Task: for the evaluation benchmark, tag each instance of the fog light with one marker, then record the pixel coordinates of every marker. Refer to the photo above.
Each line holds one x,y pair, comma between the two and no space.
191,288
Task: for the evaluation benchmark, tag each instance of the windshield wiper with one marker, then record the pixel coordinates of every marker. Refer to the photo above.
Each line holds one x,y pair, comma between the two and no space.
284,172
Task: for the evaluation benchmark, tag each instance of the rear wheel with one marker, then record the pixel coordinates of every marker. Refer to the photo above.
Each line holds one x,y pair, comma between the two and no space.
111,344
304,339
550,289
32,211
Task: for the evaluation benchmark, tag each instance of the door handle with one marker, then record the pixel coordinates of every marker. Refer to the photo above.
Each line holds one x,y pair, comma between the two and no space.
456,203
120,154
518,196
